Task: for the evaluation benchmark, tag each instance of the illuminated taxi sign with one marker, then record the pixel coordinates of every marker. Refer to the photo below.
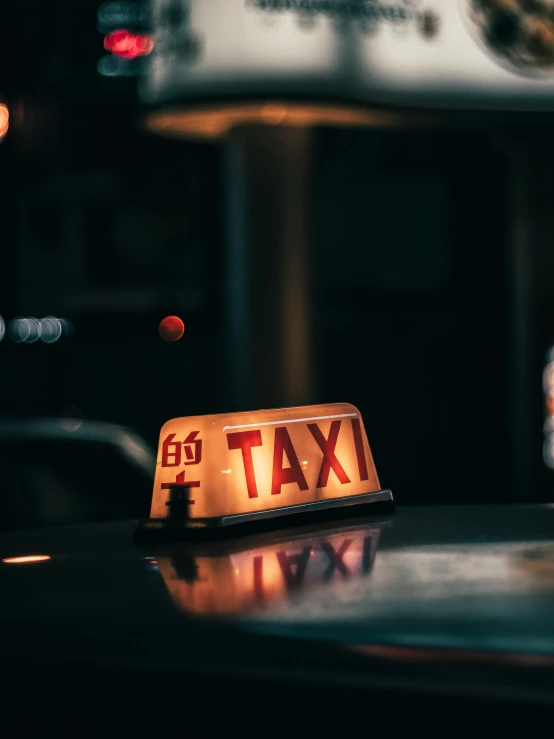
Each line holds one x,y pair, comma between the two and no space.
229,468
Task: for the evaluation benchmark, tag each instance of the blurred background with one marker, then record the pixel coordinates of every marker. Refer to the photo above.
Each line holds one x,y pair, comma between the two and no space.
405,265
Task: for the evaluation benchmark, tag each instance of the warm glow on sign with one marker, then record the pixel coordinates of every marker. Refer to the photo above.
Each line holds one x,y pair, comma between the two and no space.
216,466
257,578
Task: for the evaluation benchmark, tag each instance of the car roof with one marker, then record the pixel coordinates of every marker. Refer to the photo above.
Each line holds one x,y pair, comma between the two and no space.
475,578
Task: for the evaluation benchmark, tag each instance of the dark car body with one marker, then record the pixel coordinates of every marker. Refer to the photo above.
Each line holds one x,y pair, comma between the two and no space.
426,613
58,471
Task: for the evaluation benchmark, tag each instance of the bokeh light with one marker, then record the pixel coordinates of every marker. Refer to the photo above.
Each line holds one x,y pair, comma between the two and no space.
51,329
35,330
2,328
4,120
72,419
122,13
548,451
172,328
113,66
19,330
29,330
67,327
128,45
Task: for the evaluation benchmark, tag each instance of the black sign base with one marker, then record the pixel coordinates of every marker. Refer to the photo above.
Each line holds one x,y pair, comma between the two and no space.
186,528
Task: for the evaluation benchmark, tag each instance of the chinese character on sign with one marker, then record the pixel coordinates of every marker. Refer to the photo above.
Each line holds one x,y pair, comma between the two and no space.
172,452
192,443
172,456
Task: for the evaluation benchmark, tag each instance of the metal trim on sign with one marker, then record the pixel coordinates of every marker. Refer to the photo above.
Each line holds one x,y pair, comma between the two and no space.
318,505
366,504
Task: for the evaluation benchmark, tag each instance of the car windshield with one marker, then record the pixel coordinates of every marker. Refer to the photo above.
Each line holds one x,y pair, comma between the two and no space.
274,204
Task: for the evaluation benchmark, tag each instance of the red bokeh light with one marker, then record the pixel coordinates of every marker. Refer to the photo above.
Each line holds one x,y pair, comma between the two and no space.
4,119
172,328
128,45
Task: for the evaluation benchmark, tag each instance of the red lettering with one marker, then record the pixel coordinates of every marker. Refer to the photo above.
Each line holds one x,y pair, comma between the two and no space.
166,453
335,559
284,475
245,440
171,450
359,444
293,582
191,440
327,446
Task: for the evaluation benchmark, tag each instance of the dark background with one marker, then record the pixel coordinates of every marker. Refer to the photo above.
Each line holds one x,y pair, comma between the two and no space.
430,265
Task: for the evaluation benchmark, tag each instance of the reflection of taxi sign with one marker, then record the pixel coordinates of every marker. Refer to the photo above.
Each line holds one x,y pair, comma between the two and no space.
214,582
241,467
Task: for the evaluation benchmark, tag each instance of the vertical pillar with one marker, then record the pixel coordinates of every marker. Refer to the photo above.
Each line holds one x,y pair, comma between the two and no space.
269,358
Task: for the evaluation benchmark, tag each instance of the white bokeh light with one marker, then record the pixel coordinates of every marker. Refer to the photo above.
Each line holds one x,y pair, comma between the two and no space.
51,329
35,330
30,329
67,326
19,330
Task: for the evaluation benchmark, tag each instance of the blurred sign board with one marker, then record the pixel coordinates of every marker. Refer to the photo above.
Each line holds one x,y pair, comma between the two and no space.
233,468
459,53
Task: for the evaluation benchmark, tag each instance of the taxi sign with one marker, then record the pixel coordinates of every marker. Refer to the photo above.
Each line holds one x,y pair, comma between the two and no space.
232,468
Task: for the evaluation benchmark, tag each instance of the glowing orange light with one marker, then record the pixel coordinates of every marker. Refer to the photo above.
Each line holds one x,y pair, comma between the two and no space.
128,45
550,404
215,121
27,559
273,114
172,328
4,119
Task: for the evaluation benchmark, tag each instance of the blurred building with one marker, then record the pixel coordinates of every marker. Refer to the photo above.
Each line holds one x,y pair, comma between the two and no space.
428,269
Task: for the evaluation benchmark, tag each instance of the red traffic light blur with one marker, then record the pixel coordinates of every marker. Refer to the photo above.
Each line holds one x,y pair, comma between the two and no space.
127,44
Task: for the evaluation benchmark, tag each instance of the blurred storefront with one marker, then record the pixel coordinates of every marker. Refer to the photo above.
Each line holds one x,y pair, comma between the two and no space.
345,201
